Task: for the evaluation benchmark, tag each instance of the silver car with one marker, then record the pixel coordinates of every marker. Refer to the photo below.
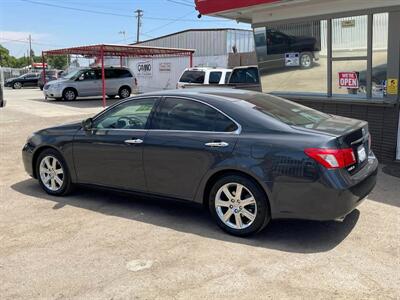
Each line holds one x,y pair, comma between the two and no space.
87,82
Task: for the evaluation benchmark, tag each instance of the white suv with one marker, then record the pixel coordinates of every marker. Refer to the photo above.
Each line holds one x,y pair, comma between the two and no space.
204,75
87,82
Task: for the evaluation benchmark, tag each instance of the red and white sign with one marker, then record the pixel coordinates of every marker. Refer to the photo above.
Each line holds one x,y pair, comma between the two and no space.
348,80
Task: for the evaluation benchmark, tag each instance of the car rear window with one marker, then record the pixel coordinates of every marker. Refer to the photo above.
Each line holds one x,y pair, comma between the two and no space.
287,111
193,77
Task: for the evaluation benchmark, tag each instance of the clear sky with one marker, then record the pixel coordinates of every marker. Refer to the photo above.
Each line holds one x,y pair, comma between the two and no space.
64,23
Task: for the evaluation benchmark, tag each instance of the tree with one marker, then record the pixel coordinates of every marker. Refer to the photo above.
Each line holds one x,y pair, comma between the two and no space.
6,60
58,62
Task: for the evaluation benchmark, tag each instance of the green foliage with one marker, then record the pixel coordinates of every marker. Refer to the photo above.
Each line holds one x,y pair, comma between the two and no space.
58,62
7,60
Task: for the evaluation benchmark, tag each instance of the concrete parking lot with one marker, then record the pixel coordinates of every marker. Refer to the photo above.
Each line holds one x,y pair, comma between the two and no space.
102,245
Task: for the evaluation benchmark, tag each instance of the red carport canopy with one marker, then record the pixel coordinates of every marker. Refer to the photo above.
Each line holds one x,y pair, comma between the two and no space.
111,50
207,7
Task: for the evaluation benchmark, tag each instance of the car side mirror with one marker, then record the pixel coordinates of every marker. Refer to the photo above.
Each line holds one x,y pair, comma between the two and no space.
87,124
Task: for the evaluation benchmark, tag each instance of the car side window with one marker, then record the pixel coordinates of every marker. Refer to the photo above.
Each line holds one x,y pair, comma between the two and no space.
245,75
121,73
190,115
215,77
89,75
227,75
128,115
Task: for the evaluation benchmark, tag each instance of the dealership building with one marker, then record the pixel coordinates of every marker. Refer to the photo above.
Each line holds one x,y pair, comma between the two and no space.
337,56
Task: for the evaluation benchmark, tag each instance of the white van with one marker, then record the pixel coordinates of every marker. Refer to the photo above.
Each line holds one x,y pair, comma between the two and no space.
203,75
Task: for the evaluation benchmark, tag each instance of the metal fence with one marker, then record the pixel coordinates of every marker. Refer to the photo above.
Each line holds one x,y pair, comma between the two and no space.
13,72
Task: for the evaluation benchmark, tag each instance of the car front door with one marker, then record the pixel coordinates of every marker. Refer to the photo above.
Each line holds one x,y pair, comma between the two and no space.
111,154
186,139
277,46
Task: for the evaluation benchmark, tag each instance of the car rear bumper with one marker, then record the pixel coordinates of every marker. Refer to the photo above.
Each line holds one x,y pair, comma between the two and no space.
328,199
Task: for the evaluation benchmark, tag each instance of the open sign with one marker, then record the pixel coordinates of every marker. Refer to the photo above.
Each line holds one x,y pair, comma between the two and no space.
144,68
348,80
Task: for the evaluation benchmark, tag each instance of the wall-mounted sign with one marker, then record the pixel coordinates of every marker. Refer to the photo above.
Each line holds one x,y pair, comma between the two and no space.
392,86
144,68
348,80
292,59
348,23
165,67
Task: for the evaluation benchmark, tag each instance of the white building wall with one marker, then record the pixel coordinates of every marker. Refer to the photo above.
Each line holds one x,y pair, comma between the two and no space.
164,80
355,38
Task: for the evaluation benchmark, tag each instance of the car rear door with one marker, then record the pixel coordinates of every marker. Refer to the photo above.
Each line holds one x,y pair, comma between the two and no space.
111,154
186,139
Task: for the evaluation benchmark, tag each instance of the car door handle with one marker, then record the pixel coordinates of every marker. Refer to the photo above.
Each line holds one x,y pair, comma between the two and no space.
217,144
134,141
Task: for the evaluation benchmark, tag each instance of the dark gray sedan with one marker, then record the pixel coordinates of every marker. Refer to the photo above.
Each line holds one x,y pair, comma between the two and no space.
249,157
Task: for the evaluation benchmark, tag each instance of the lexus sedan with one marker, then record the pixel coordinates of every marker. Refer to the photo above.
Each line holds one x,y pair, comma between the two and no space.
248,157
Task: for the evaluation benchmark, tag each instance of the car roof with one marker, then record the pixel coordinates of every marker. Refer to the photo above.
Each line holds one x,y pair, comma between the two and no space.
207,69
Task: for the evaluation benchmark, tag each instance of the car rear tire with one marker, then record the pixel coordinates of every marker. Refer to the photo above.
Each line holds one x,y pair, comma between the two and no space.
124,92
69,94
17,85
306,60
238,205
53,174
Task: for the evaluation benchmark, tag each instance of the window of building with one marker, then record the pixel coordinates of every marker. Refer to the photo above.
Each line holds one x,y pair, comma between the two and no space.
325,57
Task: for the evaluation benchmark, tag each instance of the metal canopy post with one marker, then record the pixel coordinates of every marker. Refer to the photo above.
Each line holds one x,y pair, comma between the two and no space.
44,69
103,82
191,60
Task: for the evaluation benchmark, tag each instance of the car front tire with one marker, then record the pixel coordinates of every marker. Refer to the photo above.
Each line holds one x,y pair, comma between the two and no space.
53,174
17,85
69,95
238,205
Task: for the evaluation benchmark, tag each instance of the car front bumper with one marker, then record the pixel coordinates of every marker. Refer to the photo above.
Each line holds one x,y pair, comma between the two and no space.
52,93
27,157
330,198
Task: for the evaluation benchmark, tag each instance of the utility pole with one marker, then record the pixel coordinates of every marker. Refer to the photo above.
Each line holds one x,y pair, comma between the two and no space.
124,34
30,50
139,15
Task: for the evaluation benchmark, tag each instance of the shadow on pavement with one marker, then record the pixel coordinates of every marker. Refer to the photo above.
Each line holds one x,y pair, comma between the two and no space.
79,102
284,235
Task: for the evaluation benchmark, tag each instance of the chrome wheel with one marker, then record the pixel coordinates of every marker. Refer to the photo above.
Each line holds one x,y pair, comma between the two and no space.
235,205
124,93
69,95
17,85
305,61
51,173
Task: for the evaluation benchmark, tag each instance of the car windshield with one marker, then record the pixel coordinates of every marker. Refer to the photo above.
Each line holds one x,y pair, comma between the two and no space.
193,77
73,74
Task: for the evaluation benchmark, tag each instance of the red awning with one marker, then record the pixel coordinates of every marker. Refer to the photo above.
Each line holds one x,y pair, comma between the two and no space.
206,7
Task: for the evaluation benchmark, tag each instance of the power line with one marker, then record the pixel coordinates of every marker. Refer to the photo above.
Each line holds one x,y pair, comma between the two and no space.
116,14
167,24
181,3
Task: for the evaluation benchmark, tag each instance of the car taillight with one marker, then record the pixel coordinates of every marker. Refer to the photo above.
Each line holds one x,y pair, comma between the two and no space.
135,81
332,158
